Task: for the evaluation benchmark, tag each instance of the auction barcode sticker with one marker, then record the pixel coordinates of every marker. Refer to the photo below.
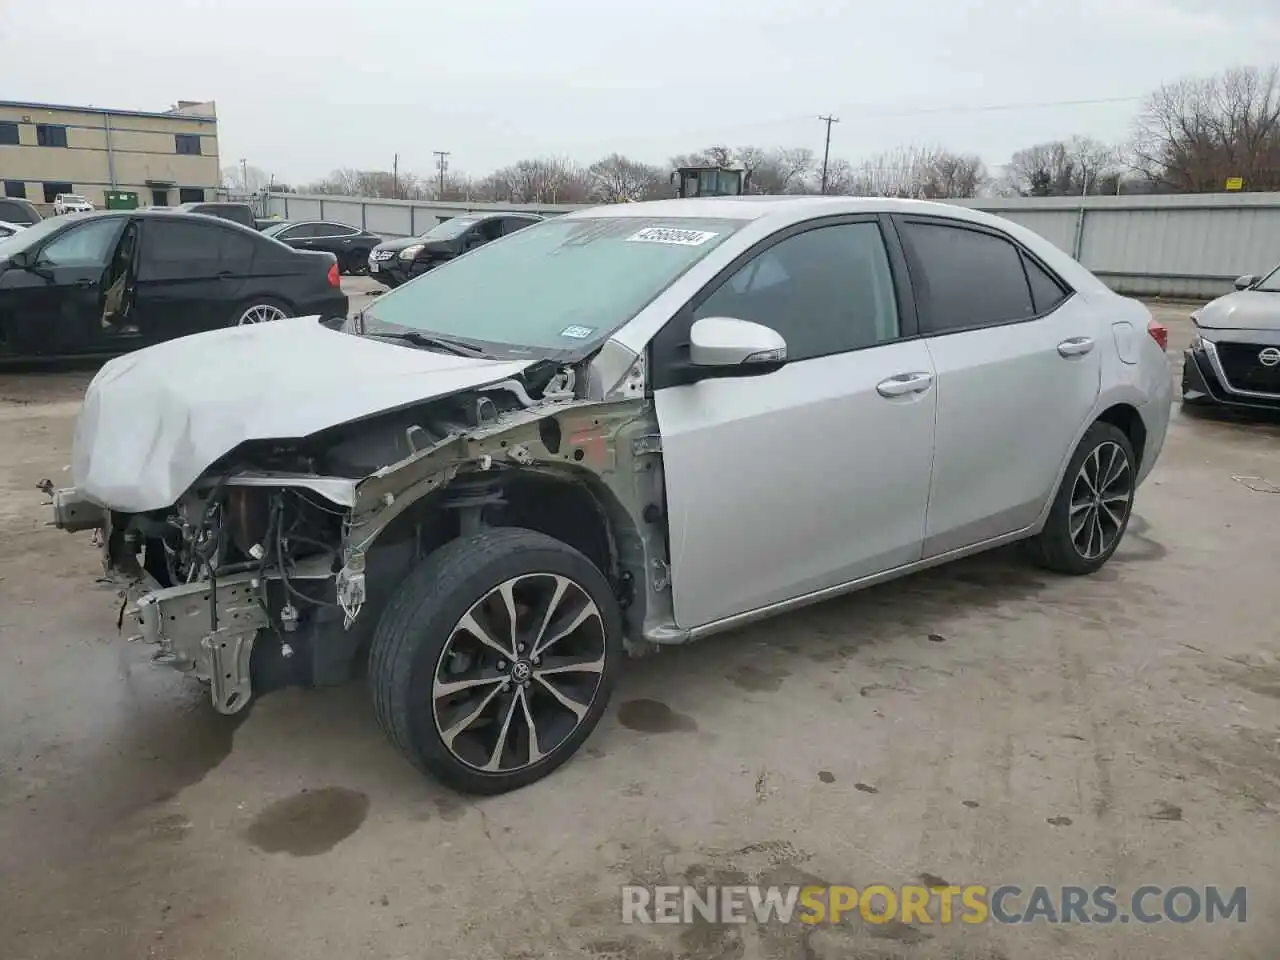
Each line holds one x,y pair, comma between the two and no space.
684,238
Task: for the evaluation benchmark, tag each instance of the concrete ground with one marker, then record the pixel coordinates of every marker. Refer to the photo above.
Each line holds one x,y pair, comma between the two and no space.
983,723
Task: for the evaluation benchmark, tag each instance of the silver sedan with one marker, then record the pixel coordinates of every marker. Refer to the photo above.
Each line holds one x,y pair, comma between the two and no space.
631,425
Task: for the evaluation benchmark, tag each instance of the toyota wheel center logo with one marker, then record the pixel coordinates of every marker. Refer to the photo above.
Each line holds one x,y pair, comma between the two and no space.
1269,357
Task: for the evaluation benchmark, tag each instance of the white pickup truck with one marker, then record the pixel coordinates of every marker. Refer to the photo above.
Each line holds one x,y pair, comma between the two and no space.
70,203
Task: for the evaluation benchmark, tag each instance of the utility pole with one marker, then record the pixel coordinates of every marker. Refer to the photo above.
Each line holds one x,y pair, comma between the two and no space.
826,151
442,161
244,174
395,176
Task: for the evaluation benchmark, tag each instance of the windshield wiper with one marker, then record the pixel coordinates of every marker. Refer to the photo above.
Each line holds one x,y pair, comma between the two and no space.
461,348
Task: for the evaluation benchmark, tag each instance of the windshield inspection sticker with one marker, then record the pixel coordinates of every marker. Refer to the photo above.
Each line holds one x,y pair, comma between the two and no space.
683,238
577,333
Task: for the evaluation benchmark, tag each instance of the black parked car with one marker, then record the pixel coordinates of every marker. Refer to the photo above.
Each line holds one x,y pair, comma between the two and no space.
350,245
113,281
395,261
19,211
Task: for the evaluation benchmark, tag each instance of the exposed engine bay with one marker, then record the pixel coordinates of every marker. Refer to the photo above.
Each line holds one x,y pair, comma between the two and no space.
272,568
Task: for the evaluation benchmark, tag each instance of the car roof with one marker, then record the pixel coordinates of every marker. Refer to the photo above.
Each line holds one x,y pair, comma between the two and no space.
783,207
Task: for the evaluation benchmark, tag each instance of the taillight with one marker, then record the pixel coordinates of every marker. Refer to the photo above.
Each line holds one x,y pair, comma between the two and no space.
1159,333
335,278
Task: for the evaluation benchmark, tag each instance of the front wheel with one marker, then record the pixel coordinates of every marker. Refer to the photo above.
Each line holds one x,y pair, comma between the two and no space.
495,659
1092,507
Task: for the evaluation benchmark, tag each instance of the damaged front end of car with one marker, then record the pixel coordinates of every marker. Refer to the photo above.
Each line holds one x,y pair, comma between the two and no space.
273,567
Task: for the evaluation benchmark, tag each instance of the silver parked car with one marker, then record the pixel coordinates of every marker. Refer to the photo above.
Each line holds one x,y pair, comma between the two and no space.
636,424
1233,360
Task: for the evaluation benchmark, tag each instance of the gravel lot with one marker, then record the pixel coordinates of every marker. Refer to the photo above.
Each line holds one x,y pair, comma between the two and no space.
983,723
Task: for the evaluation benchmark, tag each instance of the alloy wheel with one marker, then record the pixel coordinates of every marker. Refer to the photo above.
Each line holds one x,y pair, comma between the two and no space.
261,313
1100,500
518,673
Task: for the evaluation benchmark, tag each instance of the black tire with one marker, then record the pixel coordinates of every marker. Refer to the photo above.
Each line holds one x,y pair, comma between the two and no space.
1054,548
411,638
242,308
357,263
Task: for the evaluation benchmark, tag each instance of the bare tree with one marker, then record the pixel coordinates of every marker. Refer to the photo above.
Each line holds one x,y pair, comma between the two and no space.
842,179
926,173
244,178
543,180
717,155
1065,168
348,182
778,171
1194,134
616,179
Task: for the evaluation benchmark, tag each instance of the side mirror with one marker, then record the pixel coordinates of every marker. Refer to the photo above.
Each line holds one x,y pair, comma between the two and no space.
1247,281
729,342
22,260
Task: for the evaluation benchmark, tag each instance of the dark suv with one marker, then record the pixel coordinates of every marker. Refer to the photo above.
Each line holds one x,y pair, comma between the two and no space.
395,261
116,280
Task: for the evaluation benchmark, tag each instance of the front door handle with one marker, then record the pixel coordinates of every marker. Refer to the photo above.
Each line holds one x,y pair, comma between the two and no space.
1075,347
85,284
904,383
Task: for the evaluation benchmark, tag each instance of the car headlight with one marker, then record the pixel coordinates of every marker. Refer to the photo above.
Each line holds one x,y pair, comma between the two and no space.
408,253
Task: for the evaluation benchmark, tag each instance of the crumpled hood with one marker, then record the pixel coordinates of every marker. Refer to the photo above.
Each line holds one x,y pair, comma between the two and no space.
154,420
1242,310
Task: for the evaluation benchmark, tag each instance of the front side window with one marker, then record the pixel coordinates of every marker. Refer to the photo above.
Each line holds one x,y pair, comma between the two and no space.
827,290
964,278
88,245
555,287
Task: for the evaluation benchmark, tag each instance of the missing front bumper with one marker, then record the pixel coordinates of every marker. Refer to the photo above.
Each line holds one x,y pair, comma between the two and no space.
208,629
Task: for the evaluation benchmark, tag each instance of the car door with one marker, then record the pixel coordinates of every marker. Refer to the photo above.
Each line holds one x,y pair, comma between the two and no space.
335,238
786,483
54,307
180,285
1018,372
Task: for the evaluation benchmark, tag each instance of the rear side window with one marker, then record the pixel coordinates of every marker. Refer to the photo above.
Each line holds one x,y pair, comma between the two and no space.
1046,292
235,251
964,278
180,248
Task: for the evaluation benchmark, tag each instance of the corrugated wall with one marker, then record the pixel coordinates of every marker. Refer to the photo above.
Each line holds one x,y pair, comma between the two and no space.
1175,246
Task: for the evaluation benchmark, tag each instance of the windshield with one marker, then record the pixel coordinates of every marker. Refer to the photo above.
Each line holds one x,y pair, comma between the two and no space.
554,286
275,228
448,230
33,235
1271,283
74,198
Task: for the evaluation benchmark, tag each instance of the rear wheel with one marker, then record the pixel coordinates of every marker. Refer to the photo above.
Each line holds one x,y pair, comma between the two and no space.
1091,510
260,310
357,263
495,659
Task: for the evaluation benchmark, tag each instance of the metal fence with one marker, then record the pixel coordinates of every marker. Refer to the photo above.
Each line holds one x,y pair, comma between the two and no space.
1190,245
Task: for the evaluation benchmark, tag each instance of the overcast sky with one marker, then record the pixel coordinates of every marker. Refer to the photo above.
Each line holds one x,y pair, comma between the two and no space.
306,87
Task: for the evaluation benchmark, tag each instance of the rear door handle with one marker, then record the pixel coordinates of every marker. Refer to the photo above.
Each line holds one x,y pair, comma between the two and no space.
1075,347
904,383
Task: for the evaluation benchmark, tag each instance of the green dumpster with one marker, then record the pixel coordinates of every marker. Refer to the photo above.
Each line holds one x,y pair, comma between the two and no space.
122,200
